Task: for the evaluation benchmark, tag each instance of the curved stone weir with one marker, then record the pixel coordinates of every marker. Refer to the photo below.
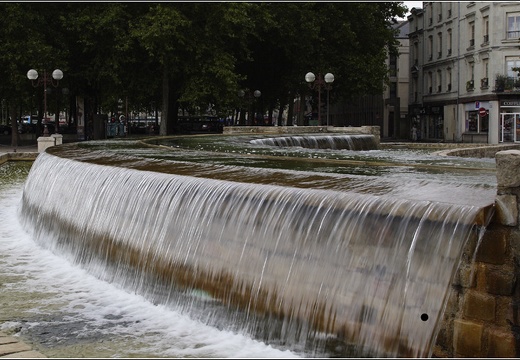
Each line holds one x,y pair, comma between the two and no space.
349,142
296,267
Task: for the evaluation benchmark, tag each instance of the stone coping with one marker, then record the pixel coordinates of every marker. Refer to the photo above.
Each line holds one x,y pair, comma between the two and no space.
18,156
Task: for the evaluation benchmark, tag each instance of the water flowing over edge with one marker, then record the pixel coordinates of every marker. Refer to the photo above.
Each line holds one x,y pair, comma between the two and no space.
300,264
349,142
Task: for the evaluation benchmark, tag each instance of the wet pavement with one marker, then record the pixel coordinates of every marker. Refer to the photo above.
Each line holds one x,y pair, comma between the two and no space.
12,347
4,149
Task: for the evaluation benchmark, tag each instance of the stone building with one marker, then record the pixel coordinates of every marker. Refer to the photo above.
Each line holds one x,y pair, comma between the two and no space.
462,84
395,111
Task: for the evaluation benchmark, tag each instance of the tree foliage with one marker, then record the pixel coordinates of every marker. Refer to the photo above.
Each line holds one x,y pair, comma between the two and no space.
195,55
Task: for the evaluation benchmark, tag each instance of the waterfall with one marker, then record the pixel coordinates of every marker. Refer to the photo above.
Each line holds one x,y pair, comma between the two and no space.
295,267
337,142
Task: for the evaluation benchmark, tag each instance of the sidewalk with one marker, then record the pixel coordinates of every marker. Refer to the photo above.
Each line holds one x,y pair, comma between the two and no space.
12,347
19,149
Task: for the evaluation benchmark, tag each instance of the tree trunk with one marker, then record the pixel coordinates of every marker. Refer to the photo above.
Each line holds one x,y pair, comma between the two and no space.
165,103
15,137
290,109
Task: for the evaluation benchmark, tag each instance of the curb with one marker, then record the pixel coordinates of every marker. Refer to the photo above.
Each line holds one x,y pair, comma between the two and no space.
11,347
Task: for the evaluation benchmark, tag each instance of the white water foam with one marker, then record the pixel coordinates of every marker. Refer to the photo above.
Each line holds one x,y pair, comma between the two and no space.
65,312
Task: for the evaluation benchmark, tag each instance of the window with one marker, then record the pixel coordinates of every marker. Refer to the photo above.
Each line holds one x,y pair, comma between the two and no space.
484,82
393,65
393,90
472,34
430,81
439,45
448,78
513,25
439,81
470,84
449,42
430,46
512,62
476,122
486,29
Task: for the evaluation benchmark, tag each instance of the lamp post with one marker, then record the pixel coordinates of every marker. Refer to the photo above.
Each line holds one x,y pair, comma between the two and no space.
256,94
45,80
64,92
324,82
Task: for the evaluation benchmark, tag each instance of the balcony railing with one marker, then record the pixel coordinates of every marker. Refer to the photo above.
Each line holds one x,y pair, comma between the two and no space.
449,87
507,83
449,52
439,55
470,85
513,34
486,39
472,42
439,88
484,83
430,90
449,13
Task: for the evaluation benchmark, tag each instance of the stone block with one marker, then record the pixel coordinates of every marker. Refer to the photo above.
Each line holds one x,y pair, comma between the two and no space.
501,344
493,248
58,139
500,281
508,163
479,306
466,276
506,210
45,142
467,338
507,312
481,277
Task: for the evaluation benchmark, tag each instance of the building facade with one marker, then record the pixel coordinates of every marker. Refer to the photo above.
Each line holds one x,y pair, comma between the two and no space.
395,111
464,86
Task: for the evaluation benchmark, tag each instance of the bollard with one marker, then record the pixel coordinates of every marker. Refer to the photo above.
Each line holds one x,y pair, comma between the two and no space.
58,139
45,142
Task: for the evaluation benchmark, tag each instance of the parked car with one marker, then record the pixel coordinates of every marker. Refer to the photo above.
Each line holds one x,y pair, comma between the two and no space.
5,130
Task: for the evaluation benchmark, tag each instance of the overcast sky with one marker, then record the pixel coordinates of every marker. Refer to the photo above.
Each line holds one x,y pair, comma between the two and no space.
412,4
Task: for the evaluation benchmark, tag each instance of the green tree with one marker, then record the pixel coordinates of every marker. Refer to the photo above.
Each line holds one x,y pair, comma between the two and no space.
196,46
26,42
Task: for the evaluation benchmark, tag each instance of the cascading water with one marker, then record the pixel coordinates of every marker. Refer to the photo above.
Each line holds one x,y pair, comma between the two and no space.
349,142
298,268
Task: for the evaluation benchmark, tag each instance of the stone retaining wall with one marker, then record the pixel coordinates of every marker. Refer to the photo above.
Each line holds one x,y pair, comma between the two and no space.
482,318
282,130
20,156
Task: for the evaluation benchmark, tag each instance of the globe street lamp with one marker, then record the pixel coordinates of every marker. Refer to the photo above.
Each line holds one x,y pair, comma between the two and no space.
324,82
45,80
256,94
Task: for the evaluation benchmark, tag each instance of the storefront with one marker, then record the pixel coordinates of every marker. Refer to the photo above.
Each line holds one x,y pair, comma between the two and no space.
509,121
427,122
476,127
